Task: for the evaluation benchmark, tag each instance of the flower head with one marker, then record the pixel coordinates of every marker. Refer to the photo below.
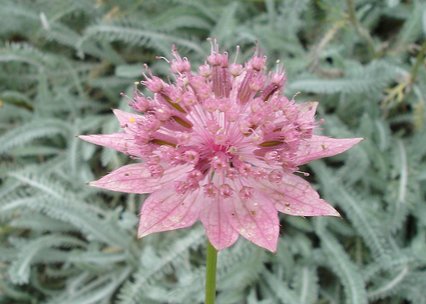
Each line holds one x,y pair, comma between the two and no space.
221,145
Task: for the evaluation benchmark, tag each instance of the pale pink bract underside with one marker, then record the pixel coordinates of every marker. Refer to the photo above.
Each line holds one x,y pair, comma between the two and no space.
221,146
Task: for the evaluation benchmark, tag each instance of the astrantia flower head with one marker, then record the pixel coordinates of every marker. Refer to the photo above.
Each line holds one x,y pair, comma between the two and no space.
221,145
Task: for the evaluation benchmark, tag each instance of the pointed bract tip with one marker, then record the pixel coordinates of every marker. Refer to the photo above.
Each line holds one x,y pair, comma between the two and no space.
141,235
357,140
335,213
271,247
92,184
143,232
83,137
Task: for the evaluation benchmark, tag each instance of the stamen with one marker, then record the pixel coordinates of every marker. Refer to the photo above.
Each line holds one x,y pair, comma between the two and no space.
163,58
245,169
140,103
246,192
226,190
162,113
237,52
219,162
231,173
122,94
304,173
191,157
277,66
272,157
205,70
272,143
210,190
179,65
162,142
173,104
235,69
295,95
184,123
214,46
148,70
153,84
195,176
275,176
156,171
181,187
183,138
269,91
154,159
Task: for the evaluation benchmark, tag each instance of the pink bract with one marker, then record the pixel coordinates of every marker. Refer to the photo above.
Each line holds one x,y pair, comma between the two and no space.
221,145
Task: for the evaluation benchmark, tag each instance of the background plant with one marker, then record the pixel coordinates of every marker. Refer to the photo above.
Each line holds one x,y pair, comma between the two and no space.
62,66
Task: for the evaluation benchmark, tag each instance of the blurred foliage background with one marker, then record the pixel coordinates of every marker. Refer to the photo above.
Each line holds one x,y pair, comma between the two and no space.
62,67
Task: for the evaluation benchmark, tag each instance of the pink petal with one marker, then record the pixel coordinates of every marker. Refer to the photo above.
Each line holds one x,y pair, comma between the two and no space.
166,210
127,120
322,146
121,142
308,110
295,196
256,219
136,178
218,228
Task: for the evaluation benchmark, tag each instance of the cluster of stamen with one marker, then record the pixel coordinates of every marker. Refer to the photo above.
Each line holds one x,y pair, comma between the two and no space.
228,121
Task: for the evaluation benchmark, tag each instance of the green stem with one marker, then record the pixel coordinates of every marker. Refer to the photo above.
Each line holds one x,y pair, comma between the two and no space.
419,61
211,274
362,32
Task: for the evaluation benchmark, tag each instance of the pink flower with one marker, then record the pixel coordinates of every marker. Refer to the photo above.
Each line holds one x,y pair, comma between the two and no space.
221,146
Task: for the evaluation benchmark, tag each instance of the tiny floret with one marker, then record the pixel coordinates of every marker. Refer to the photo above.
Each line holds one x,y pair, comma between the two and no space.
222,145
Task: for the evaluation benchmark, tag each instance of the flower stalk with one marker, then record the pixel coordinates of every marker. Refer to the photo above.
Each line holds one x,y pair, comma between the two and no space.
211,274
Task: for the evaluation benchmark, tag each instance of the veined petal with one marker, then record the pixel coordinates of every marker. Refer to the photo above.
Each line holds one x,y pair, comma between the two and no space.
219,230
136,178
255,218
321,146
127,120
166,210
308,110
121,142
295,196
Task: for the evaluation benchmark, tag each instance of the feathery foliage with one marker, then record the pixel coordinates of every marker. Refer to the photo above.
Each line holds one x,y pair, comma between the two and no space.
62,67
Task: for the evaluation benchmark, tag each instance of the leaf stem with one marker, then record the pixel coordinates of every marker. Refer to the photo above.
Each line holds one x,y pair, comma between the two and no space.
362,32
211,274
419,60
